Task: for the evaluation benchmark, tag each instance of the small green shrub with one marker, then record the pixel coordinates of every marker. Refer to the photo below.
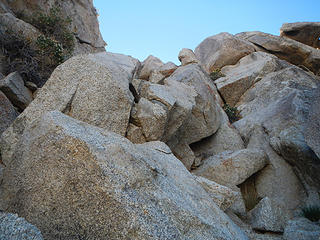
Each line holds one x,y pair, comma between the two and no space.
312,213
232,112
51,48
216,74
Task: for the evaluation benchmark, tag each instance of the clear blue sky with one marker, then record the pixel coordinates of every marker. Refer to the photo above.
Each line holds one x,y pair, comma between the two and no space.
161,28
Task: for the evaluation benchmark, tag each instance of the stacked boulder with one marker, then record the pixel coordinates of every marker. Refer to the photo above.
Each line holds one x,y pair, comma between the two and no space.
114,148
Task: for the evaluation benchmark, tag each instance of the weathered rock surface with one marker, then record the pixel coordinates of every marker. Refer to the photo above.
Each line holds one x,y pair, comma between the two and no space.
167,69
13,87
100,185
150,64
232,168
186,56
222,49
7,113
280,103
242,76
92,88
14,228
287,49
304,32
221,195
302,229
268,216
83,16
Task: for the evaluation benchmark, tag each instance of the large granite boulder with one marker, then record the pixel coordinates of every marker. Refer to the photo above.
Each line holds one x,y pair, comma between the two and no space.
222,49
287,49
93,88
73,180
302,229
149,65
304,32
13,227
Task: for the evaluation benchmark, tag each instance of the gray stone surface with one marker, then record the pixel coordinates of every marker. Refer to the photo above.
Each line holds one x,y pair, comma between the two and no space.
287,49
7,113
222,49
268,216
13,227
167,69
13,87
232,168
100,185
304,32
302,229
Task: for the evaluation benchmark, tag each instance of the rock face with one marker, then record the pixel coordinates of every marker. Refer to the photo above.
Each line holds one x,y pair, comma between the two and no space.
287,49
220,50
302,229
187,56
148,66
14,228
232,168
7,113
279,103
304,32
13,87
83,16
100,185
241,77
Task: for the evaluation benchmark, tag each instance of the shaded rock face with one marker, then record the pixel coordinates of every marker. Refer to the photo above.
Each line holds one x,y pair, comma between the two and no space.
220,50
73,180
301,228
82,13
7,113
14,228
304,32
287,49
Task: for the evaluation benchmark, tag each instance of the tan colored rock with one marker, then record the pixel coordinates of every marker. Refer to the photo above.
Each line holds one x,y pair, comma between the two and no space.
242,76
135,134
221,195
7,113
13,87
150,64
100,185
151,117
287,49
304,32
222,49
167,69
156,77
186,56
232,168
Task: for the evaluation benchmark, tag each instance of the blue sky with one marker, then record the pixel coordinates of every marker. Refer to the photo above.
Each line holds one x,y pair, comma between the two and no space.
162,28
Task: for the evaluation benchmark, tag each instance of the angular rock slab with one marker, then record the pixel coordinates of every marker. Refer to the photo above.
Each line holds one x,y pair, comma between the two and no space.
222,49
268,216
232,168
304,32
7,113
287,49
242,76
74,180
14,228
13,87
150,64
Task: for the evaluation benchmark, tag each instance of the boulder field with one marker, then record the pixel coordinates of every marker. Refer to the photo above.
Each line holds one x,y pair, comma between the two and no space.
224,146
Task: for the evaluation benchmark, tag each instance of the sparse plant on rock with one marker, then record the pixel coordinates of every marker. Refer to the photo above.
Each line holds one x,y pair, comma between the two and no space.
232,112
216,74
312,213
